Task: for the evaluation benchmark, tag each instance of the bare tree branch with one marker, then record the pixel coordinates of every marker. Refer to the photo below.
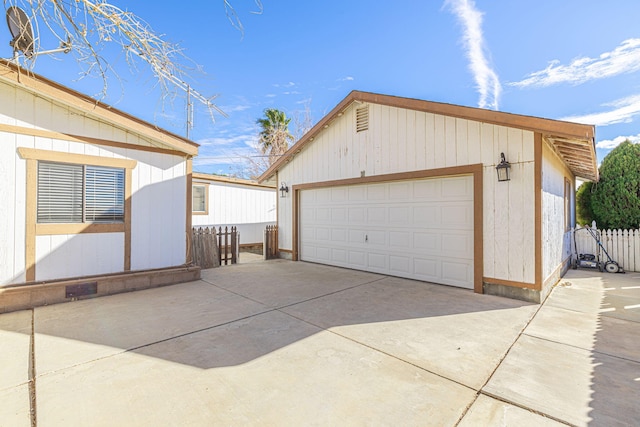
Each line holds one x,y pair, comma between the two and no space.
88,26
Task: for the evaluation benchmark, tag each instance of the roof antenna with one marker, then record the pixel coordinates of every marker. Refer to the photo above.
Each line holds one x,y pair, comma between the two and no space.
23,39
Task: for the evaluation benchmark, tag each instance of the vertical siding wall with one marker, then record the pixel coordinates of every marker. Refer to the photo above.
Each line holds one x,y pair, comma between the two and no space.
553,224
249,208
158,197
400,140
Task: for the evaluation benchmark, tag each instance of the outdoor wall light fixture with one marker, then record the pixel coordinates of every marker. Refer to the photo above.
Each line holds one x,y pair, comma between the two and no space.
503,169
283,189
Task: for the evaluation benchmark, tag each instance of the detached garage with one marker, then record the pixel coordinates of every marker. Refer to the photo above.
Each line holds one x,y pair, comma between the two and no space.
409,188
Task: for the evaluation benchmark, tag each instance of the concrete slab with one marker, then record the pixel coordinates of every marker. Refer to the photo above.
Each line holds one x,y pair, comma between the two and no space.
451,332
81,331
574,385
270,369
278,283
487,411
15,349
15,410
588,331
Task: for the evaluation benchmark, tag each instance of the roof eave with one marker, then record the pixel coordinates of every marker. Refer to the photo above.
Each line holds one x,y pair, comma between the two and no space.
72,98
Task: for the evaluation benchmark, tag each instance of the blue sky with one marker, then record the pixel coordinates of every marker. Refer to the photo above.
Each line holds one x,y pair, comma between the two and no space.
571,60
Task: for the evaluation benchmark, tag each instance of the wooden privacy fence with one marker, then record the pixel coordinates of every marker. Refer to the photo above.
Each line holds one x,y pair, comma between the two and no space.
211,248
622,245
271,242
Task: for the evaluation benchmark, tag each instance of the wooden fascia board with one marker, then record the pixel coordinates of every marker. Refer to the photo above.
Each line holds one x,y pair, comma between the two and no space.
58,93
229,180
535,124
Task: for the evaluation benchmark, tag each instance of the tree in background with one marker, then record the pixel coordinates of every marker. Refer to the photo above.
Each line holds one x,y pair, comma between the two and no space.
584,213
274,136
615,199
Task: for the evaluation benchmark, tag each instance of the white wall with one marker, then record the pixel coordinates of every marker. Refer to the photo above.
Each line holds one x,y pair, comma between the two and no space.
250,208
158,236
553,224
401,140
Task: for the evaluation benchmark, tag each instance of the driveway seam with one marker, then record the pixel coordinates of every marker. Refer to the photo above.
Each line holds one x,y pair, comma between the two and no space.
379,351
301,301
582,348
32,371
504,356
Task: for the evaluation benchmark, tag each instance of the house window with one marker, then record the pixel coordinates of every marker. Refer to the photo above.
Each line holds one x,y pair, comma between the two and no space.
568,223
69,193
199,199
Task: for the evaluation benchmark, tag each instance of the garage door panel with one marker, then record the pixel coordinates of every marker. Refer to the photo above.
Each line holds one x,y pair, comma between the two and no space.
458,187
357,237
377,215
357,215
339,255
339,194
400,190
358,258
425,242
323,215
420,229
458,245
377,261
400,240
426,215
427,269
376,238
457,216
357,193
456,273
400,215
400,265
427,189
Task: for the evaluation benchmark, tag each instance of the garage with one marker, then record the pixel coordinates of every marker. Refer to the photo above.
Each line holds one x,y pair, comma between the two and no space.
419,229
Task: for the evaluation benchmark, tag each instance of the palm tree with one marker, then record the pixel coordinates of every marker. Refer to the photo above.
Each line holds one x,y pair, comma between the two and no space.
274,134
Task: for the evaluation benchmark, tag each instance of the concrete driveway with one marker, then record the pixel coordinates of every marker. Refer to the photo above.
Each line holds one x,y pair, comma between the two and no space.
286,343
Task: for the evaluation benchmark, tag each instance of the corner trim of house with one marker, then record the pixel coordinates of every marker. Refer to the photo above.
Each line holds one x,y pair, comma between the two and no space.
29,295
537,164
476,170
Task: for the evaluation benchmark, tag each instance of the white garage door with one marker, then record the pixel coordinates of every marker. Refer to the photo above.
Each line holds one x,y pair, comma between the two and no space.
419,229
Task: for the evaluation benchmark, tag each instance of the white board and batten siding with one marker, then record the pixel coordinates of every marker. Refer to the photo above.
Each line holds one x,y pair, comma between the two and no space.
158,181
250,208
554,174
420,229
400,140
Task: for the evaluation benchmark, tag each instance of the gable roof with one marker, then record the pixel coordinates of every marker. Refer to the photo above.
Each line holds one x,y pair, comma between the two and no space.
230,180
574,142
55,92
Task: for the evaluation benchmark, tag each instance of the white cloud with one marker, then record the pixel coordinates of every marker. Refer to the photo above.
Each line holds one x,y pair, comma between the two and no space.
346,79
235,108
613,143
289,84
624,110
222,142
623,59
486,78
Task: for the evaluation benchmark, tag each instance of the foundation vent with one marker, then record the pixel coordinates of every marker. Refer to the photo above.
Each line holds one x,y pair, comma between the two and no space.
362,118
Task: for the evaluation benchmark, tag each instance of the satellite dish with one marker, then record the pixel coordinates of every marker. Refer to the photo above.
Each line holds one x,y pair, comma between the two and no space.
21,30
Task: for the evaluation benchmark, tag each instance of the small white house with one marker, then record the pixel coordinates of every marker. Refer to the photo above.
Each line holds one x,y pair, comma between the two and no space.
88,191
222,201
410,188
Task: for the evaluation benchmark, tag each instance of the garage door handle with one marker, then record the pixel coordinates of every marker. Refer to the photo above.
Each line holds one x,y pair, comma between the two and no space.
366,237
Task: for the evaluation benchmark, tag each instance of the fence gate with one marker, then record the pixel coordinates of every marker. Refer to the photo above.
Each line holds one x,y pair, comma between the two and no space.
211,247
271,242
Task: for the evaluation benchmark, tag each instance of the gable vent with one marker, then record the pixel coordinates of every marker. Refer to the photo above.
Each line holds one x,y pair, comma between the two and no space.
362,118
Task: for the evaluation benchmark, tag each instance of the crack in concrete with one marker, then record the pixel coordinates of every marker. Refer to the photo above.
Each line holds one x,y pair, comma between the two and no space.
32,372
